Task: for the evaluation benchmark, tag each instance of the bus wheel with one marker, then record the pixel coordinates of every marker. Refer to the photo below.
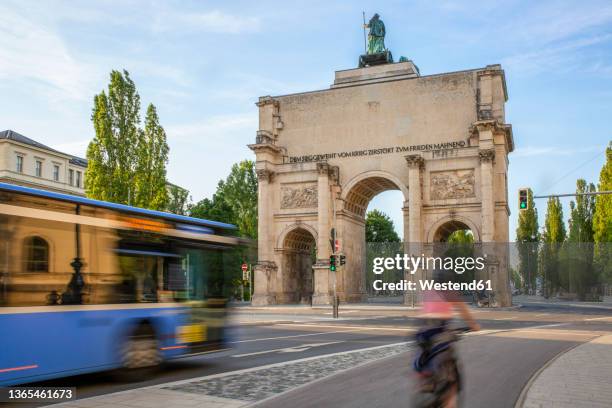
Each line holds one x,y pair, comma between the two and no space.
140,356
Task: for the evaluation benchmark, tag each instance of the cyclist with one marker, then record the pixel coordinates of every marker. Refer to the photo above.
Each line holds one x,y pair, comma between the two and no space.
436,363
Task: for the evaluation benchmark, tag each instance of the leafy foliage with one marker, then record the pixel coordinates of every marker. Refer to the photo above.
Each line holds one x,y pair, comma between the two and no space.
527,237
602,218
379,227
178,200
235,200
553,236
126,164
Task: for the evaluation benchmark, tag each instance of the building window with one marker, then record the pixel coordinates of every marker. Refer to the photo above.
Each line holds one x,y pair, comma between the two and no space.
19,164
71,177
78,179
38,168
56,172
36,251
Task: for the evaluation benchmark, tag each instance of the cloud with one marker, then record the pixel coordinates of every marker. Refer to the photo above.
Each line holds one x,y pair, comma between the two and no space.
34,54
214,21
216,130
562,57
530,151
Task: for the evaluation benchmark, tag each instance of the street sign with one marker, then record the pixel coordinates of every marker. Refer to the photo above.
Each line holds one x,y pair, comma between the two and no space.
246,276
244,267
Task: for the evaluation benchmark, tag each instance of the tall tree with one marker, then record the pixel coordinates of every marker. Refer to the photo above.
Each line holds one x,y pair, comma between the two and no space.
240,194
379,227
126,164
235,200
602,218
581,215
602,221
578,262
552,238
150,189
111,154
527,237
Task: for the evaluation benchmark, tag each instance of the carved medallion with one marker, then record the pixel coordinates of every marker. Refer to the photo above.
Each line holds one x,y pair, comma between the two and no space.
452,184
299,196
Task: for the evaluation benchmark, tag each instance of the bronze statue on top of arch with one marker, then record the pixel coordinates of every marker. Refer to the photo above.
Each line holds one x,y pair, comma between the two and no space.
376,52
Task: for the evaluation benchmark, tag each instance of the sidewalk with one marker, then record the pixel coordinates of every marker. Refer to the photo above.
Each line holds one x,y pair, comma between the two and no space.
577,378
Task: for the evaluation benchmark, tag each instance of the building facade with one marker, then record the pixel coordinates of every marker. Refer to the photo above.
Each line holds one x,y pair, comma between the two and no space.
26,162
321,156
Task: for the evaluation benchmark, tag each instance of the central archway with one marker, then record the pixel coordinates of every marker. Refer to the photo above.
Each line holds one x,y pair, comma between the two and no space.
357,195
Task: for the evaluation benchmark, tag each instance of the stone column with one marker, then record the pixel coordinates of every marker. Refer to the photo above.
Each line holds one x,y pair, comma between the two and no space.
322,279
416,164
486,190
265,270
408,295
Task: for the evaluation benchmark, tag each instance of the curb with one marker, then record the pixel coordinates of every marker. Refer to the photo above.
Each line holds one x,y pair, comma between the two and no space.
520,401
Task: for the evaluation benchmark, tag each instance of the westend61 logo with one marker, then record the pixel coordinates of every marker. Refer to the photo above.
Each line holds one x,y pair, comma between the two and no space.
459,265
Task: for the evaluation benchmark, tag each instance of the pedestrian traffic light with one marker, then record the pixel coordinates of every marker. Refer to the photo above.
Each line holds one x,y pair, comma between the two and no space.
523,199
342,260
332,263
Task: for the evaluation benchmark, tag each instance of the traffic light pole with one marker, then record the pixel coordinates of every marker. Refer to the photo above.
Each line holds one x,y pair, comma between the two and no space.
336,303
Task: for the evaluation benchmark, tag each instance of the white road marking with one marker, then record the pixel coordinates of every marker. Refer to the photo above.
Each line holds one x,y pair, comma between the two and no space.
296,349
598,318
542,314
292,336
356,328
506,318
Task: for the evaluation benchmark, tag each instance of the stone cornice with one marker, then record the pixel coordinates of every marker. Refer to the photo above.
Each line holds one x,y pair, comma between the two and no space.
415,161
266,100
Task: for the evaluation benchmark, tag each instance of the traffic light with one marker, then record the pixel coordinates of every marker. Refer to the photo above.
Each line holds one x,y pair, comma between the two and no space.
523,199
332,263
342,260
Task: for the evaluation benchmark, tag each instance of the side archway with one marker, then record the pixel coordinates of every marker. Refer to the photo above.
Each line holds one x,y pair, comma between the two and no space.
296,249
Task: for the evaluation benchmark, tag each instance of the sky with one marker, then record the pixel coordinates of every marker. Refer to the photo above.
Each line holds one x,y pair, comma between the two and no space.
204,64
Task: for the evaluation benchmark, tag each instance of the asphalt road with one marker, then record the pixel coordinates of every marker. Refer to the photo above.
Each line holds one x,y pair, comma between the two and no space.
498,361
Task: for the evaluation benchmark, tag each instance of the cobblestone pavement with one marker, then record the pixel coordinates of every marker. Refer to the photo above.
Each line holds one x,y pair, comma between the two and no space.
578,378
239,388
263,383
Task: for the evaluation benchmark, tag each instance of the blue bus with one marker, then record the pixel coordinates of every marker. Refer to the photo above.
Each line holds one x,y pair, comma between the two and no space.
88,285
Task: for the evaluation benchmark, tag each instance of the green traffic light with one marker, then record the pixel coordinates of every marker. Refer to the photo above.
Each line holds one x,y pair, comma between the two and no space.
523,205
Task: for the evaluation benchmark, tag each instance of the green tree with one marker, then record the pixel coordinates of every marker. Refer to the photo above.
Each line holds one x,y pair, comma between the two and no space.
602,221
578,259
178,199
111,154
240,194
235,200
581,215
379,227
553,236
126,164
150,189
527,237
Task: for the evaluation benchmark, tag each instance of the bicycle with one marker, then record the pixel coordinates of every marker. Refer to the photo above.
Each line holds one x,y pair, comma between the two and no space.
437,367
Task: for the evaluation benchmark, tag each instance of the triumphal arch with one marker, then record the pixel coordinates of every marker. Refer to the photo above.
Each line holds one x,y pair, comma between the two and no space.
321,156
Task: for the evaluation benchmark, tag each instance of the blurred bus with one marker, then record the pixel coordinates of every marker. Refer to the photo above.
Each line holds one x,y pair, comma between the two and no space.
88,285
